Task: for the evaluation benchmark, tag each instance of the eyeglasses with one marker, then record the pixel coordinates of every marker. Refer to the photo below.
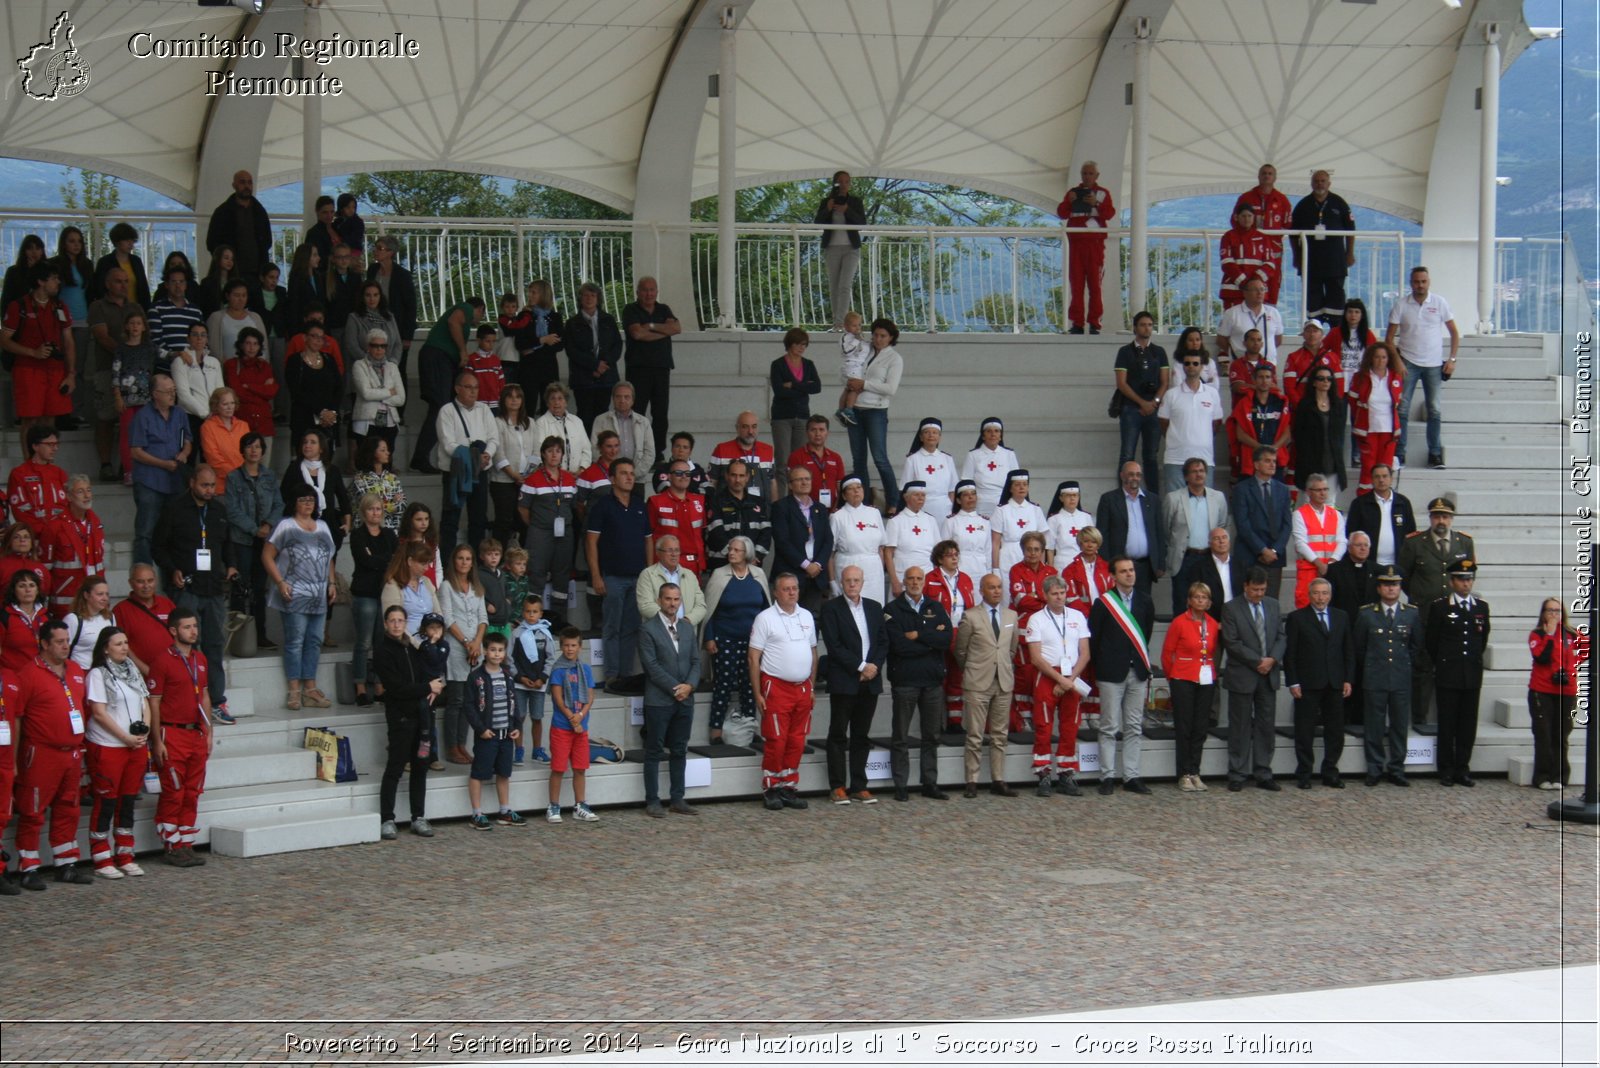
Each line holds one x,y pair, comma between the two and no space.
679,474
1192,363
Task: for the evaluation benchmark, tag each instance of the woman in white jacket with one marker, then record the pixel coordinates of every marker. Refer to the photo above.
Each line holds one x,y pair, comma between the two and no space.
559,421
380,390
878,383
196,373
514,461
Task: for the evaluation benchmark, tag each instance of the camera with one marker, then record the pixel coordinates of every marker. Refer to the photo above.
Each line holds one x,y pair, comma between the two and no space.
1560,677
139,728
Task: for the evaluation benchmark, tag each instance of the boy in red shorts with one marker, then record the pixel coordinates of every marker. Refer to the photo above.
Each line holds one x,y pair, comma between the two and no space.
571,686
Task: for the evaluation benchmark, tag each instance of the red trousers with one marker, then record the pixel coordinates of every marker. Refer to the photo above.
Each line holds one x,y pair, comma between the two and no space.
1048,711
1025,676
1375,449
115,772
183,779
1086,268
125,450
954,702
47,778
8,779
784,729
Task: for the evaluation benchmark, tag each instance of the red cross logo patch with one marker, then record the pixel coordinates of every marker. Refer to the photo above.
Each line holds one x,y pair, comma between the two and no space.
1022,524
971,529
861,526
992,465
932,469
917,531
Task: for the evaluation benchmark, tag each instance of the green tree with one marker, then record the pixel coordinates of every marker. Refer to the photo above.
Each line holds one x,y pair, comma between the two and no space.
92,191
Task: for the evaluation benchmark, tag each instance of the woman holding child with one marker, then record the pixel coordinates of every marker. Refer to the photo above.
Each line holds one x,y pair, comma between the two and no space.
408,694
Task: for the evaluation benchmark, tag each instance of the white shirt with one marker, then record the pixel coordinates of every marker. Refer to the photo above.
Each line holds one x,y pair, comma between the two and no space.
937,469
1222,574
785,641
912,535
988,468
671,625
1380,406
1191,430
82,652
1383,552
1239,320
970,532
1057,636
1062,530
1421,332
194,384
124,703
569,428
459,425
858,616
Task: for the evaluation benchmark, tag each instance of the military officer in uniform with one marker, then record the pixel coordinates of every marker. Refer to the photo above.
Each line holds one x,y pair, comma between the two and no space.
1424,560
1455,635
1388,641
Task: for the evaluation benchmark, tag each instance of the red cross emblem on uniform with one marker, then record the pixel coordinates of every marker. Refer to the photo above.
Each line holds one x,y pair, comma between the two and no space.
971,529
1022,524
861,526
1073,532
931,469
916,530
992,465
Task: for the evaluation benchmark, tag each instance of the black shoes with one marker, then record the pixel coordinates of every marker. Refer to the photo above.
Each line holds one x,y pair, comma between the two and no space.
683,808
1044,789
1398,778
1303,781
1068,787
1001,789
1436,461
1235,785
935,793
790,799
1136,786
1076,330
970,791
1333,781
1447,780
771,801
1108,786
1269,785
654,810
75,874
902,794
1373,778
1466,779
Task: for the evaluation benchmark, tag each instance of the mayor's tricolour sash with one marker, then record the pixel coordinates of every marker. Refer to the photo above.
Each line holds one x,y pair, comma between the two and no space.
1130,626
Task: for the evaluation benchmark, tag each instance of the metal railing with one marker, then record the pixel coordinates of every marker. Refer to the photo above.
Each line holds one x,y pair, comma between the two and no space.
944,279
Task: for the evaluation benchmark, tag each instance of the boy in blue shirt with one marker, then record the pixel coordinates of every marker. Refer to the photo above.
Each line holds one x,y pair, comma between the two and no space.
533,646
491,709
572,688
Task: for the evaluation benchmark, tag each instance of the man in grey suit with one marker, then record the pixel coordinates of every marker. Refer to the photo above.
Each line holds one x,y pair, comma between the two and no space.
1189,514
1252,634
669,652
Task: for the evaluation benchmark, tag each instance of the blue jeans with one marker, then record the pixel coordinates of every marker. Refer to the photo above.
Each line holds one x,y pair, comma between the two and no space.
619,627
147,505
666,734
364,611
1432,379
1135,427
302,644
872,431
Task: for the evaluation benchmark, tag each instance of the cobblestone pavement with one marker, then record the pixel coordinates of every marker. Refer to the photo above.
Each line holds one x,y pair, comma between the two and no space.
977,909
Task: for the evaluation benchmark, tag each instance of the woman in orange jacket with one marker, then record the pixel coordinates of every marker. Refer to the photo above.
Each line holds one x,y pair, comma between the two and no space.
1189,660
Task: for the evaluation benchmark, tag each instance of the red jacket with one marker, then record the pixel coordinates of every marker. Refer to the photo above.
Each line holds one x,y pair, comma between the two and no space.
937,588
75,551
1298,367
1247,254
1273,211
38,495
1076,577
11,564
1564,651
1188,647
1243,420
19,637
826,473
1361,391
253,382
1087,208
1027,589
146,627
684,520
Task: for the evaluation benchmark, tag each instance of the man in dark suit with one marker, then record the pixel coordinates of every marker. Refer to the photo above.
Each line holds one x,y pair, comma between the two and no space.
669,652
919,635
1318,663
1252,634
1355,583
1262,515
1388,638
1386,516
853,632
1222,571
802,539
1456,633
1129,520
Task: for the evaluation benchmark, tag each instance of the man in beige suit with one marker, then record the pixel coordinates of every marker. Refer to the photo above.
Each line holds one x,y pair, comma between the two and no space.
986,643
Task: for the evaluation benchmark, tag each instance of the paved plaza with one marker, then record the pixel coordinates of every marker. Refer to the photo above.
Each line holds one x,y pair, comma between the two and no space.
980,909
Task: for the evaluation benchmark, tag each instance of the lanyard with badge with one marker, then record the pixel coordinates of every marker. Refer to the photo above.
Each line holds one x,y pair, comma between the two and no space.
1207,677
5,721
74,715
1067,663
202,555
193,668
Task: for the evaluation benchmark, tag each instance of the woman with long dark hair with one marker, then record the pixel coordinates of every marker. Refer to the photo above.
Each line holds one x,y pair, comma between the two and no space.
879,383
1317,428
1559,652
408,693
213,287
372,548
19,276
514,460
316,388
24,612
375,475
118,730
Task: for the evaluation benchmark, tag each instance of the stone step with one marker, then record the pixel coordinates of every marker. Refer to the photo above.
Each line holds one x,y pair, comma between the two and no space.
259,767
1519,768
1512,713
259,836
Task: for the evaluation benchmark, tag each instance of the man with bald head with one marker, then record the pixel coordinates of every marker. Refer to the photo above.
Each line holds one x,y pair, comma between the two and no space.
745,446
919,635
650,327
985,647
1329,253
853,630
241,223
1271,209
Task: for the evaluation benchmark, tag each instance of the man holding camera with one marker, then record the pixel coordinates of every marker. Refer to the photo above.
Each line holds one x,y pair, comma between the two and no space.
841,249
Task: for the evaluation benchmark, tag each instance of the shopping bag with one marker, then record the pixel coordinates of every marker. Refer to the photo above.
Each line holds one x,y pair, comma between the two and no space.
345,768
326,745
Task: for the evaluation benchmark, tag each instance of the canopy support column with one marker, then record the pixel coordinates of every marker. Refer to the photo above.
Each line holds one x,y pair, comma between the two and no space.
1488,157
727,198
1139,201
310,122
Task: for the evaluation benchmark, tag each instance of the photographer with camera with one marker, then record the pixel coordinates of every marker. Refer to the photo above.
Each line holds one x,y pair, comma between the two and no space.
841,249
119,728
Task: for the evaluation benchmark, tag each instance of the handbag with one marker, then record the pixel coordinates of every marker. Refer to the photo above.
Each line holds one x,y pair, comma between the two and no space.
604,751
345,764
1118,402
325,744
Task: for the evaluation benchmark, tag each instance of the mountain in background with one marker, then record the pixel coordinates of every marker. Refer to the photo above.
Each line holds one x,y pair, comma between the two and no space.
1548,147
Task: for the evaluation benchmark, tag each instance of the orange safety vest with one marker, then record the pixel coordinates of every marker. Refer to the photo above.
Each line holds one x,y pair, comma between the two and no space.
1323,537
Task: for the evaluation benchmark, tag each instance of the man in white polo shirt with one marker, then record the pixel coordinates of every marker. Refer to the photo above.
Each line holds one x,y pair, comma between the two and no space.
1417,325
783,667
1190,414
1254,314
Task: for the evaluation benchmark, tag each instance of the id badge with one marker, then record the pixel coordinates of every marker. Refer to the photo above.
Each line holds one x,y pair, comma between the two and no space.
202,559
1206,678
1321,230
5,732
76,718
381,418
558,529
825,498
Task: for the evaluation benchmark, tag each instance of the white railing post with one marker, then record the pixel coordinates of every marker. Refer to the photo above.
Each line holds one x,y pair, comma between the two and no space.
875,261
520,282
727,198
1488,154
933,276
1066,276
794,285
1139,237
439,262
583,258
1205,257
1161,287
1016,287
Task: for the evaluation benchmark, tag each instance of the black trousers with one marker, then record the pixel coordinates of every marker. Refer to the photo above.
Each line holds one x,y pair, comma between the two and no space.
1144,575
1552,725
849,714
435,368
1458,728
477,509
533,374
409,723
1314,708
1324,295
652,386
927,702
591,402
1191,718
508,526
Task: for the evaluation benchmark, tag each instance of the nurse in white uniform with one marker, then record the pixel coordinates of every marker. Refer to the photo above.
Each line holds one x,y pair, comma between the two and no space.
911,536
1065,519
988,463
927,463
970,531
858,533
1013,519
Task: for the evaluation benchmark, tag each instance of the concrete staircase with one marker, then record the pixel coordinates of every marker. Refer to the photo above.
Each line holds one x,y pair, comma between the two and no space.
1508,461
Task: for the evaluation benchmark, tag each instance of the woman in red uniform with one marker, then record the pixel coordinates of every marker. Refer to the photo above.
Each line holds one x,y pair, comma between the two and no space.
1375,409
1087,578
1558,651
119,728
1189,661
951,587
19,551
1026,583
23,614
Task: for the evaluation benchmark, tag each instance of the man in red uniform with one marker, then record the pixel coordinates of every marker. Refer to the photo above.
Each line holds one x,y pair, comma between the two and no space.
37,487
74,545
10,709
37,332
52,721
783,673
1027,597
1247,256
144,615
1087,208
1303,362
744,446
180,736
827,466
1273,212
682,514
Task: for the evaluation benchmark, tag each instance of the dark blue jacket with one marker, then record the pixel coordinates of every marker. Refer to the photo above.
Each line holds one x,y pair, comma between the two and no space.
843,642
789,542
1260,528
917,661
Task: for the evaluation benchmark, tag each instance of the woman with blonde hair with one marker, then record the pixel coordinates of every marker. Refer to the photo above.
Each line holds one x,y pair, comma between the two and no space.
466,621
222,434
